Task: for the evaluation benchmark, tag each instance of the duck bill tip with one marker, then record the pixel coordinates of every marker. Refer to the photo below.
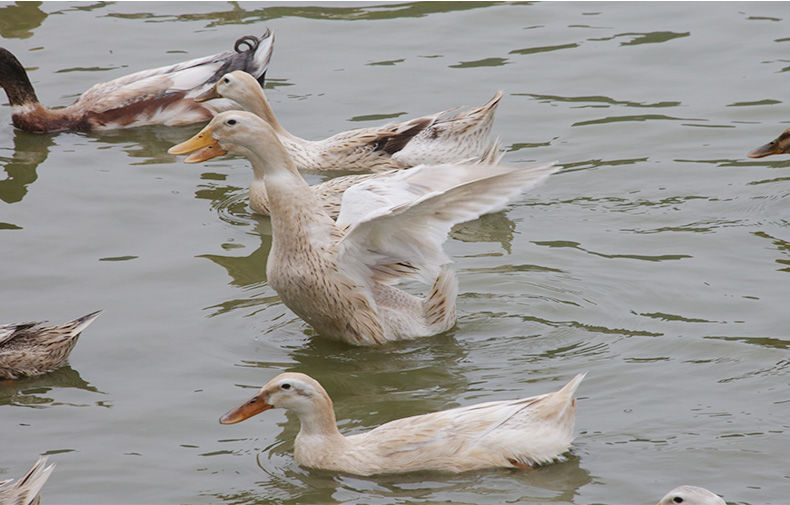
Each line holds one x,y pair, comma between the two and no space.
202,139
209,94
206,153
762,151
250,408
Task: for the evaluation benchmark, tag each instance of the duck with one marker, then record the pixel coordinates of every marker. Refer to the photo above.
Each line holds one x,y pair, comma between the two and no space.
779,145
447,136
499,434
163,95
339,276
35,348
26,490
691,495
328,193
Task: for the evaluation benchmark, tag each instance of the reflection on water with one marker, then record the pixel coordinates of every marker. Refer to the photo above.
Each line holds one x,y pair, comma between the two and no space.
18,21
30,150
149,143
238,15
38,391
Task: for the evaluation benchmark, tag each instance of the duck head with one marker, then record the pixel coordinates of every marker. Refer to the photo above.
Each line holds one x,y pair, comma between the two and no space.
293,391
779,145
691,495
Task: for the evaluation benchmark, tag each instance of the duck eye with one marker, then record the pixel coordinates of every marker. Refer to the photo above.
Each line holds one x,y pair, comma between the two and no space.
677,499
231,122
226,80
286,386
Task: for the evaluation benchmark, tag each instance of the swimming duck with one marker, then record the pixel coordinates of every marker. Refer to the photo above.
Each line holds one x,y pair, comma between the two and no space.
439,138
779,145
691,495
163,95
33,349
511,433
339,277
328,193
26,490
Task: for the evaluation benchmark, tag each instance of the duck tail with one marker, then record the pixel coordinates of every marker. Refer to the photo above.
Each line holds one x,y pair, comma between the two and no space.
561,405
439,306
81,323
25,491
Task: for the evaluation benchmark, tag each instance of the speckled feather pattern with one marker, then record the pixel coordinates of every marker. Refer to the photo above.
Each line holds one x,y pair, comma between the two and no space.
35,348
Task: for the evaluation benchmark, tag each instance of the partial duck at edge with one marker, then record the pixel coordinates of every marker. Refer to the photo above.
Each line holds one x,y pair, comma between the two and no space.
164,95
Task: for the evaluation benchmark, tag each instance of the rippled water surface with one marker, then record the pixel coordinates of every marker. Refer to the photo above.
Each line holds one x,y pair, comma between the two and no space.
657,259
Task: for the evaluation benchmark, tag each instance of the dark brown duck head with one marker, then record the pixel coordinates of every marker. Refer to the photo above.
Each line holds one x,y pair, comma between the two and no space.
14,80
779,145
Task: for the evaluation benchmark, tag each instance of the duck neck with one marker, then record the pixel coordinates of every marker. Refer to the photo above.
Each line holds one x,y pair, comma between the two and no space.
261,108
34,117
319,420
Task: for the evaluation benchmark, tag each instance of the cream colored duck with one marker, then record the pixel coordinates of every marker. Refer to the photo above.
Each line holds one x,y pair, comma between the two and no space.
439,138
511,433
779,145
328,193
26,490
163,95
33,348
691,495
339,277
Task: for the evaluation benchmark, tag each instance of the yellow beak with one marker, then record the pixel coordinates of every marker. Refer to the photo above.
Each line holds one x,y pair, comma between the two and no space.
253,406
203,143
207,95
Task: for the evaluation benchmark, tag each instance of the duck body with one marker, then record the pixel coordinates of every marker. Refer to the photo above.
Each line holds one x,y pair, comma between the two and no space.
33,348
510,434
444,137
779,145
26,490
162,95
340,276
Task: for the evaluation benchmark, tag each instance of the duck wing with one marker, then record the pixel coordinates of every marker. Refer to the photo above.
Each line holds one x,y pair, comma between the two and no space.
404,219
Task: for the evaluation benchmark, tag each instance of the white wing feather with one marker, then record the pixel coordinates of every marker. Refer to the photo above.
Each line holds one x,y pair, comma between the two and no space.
411,230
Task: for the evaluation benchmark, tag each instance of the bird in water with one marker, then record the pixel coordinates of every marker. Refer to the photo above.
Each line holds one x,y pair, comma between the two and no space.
779,145
340,276
443,137
510,433
691,495
26,490
35,348
163,95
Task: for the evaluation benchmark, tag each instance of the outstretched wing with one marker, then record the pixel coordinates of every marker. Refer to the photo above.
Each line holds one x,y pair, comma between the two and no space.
424,203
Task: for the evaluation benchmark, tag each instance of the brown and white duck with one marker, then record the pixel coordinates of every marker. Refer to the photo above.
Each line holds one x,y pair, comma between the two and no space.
34,348
163,95
445,137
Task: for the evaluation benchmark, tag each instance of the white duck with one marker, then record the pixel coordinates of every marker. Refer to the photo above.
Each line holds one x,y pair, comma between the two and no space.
26,490
162,95
439,138
691,495
339,277
511,433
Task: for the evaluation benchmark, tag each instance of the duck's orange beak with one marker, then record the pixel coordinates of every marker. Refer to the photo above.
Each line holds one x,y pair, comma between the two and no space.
253,406
766,150
203,143
209,94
